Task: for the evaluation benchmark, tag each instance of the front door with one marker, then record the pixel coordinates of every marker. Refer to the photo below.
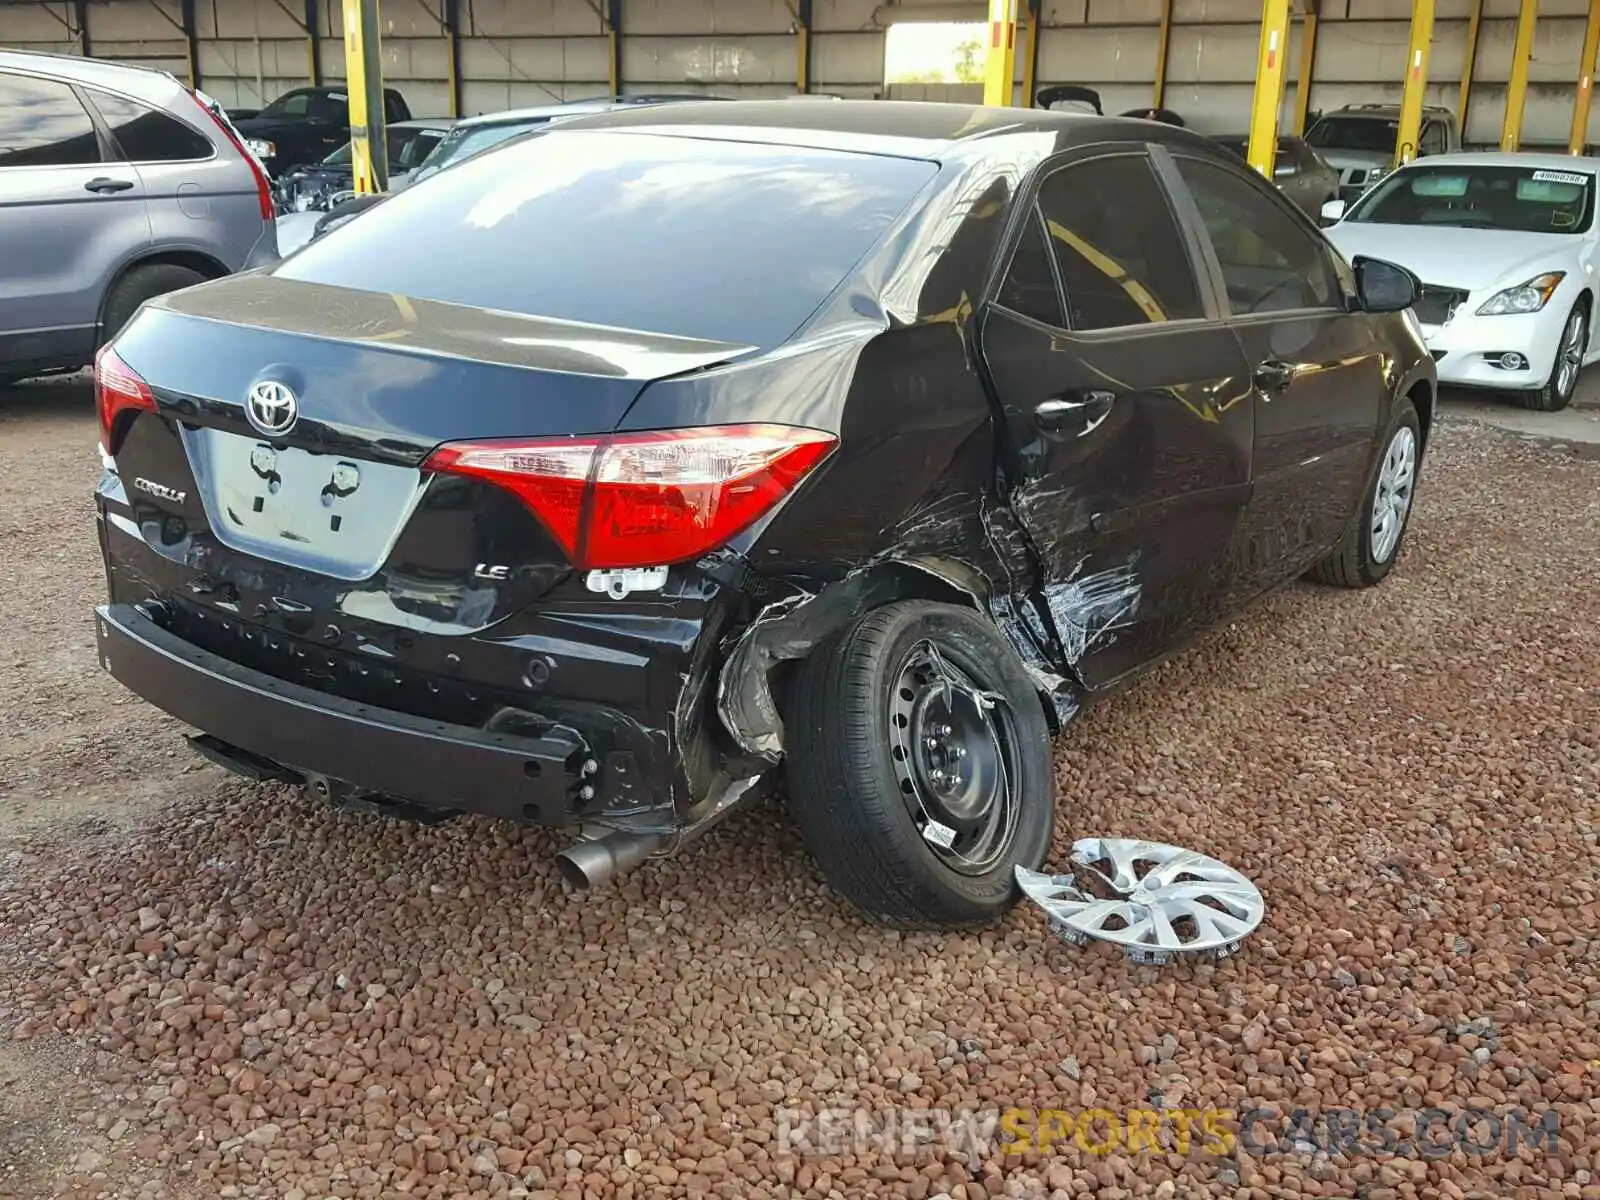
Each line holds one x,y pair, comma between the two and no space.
1318,370
1126,413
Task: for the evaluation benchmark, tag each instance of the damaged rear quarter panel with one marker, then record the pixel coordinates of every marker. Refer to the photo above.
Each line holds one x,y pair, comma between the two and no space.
907,504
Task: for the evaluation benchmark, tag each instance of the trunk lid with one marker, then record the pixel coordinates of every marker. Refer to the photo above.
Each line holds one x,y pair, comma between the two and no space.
325,509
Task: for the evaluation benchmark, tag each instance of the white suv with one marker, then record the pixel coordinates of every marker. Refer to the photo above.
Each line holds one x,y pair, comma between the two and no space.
1358,141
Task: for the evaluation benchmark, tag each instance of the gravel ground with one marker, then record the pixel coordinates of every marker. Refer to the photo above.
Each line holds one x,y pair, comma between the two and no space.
209,988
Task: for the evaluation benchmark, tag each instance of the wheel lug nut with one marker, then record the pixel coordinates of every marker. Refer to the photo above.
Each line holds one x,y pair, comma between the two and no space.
945,731
931,742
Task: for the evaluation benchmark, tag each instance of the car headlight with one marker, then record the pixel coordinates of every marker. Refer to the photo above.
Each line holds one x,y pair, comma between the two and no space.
261,148
1527,297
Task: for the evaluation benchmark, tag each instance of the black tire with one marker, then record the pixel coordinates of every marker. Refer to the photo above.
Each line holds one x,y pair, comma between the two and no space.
1552,397
845,788
1353,562
137,286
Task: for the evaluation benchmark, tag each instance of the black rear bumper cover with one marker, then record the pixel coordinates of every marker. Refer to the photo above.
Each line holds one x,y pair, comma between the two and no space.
425,762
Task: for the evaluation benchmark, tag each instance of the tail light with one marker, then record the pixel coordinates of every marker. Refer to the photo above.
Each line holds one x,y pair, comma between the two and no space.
117,389
263,184
645,499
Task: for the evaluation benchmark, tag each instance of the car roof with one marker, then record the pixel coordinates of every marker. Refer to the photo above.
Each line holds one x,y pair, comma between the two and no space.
423,123
1495,158
147,83
1383,110
905,128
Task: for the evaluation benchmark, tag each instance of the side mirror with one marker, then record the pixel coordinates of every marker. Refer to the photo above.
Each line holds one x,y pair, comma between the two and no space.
1384,287
1333,211
1284,171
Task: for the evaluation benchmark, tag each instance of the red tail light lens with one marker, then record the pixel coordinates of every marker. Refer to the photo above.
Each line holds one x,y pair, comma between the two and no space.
645,499
117,388
263,184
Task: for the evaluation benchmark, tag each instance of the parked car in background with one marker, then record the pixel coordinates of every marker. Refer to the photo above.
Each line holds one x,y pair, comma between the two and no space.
783,452
1069,97
1508,250
118,183
1299,171
1359,141
304,125
317,187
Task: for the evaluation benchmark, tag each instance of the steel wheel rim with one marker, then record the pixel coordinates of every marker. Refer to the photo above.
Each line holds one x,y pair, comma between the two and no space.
1392,501
953,747
1571,355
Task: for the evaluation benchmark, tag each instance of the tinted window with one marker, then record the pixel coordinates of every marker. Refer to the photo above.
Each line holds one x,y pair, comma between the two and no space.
1269,262
43,125
1117,245
1376,134
1030,284
310,104
1433,138
146,135
726,240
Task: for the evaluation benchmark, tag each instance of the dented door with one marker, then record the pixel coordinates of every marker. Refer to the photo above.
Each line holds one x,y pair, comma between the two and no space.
1126,410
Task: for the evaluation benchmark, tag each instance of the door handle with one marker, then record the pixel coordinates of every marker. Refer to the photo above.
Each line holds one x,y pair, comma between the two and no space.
1059,413
104,185
1273,376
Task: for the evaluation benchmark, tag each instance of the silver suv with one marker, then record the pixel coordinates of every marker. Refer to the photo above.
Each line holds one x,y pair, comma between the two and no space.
1358,141
117,183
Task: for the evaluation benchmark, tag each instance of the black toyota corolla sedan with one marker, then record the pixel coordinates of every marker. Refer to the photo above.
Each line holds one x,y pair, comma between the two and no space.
600,479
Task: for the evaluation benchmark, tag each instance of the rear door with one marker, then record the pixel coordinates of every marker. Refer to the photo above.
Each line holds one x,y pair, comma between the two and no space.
66,220
1126,410
197,195
1317,369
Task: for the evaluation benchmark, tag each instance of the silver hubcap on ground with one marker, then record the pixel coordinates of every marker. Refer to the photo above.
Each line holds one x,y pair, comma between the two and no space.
954,757
1396,482
1570,360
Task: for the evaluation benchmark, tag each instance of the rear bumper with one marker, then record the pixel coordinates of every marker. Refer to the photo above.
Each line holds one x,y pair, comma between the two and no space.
425,762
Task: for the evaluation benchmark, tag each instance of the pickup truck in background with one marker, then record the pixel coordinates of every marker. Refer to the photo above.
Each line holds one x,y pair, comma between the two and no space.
305,125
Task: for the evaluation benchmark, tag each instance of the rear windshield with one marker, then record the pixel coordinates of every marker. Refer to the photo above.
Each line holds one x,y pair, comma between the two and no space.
730,241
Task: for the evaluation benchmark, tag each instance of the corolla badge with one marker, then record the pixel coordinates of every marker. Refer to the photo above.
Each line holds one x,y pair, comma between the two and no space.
272,407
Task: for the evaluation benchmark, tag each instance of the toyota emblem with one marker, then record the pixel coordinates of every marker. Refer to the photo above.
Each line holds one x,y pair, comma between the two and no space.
272,407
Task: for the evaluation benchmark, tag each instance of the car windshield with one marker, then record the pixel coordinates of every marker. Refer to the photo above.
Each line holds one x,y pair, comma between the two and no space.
407,148
731,241
296,106
1522,199
463,142
1376,134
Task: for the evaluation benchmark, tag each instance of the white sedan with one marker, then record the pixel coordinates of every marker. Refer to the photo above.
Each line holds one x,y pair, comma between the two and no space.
1506,248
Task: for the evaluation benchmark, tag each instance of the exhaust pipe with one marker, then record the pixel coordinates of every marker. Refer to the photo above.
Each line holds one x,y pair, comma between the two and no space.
591,862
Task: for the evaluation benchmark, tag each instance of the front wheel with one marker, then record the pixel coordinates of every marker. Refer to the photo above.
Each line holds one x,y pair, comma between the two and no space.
1371,542
1557,391
919,766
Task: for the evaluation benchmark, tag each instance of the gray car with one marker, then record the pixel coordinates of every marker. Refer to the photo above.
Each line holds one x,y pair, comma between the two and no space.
117,184
1299,171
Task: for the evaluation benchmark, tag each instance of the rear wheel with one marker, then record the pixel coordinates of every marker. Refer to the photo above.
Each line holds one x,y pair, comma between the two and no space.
1372,541
1557,391
138,285
919,765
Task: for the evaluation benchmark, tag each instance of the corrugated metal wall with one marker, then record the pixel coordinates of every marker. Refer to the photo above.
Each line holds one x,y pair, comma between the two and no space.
517,52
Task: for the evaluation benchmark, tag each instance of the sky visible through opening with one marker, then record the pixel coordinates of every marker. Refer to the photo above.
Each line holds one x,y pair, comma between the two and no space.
934,52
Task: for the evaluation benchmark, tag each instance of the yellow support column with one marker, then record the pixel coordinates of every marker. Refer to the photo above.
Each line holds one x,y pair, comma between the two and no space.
1158,98
1000,62
1405,144
1469,60
1269,85
1580,105
1517,92
363,66
1308,63
1030,53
